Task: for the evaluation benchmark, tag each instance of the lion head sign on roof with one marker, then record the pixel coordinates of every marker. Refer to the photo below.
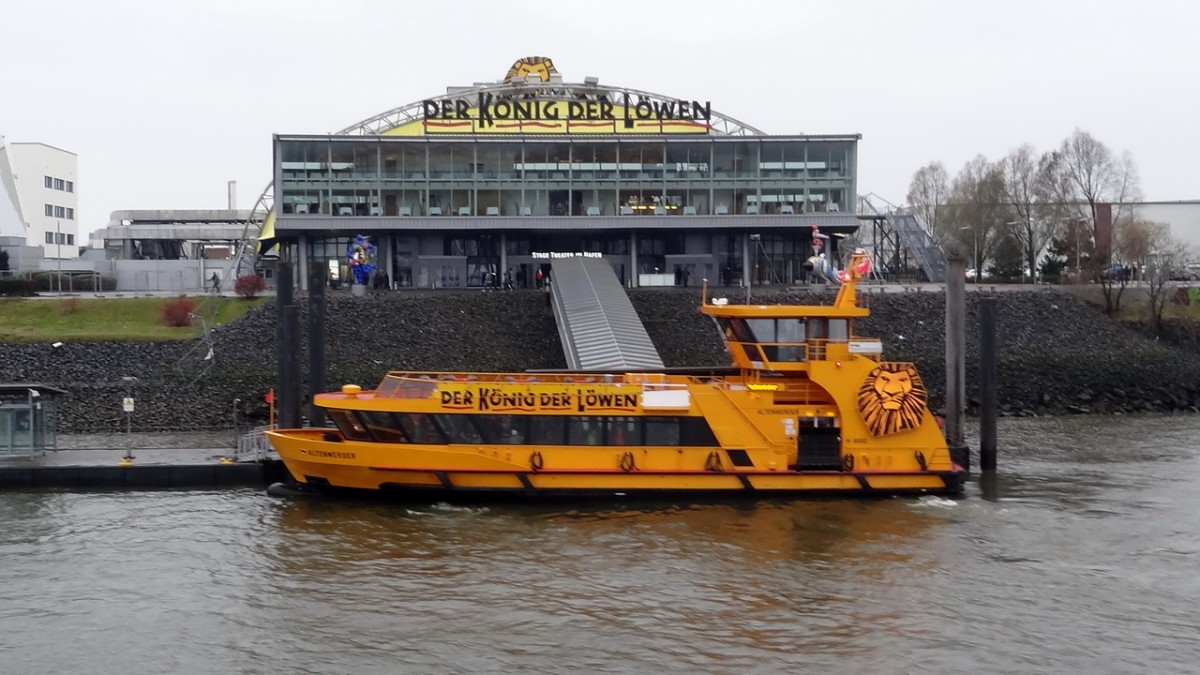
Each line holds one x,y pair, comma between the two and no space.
535,66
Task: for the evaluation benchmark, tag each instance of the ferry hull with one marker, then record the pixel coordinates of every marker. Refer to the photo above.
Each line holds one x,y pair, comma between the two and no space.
479,474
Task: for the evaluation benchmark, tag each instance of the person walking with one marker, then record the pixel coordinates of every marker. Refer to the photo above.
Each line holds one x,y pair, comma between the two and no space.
216,283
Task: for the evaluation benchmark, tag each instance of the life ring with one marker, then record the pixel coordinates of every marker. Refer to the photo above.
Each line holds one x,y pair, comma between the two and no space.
627,463
535,461
847,462
921,460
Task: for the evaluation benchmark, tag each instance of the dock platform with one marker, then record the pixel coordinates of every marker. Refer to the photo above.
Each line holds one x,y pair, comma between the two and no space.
150,468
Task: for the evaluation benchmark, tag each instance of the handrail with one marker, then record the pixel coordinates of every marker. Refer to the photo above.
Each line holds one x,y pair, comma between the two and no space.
255,446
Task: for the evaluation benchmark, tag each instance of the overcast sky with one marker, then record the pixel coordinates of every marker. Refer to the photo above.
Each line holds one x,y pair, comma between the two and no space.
165,101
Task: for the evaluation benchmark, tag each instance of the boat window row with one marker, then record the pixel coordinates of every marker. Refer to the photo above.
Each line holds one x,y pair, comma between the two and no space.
783,339
447,428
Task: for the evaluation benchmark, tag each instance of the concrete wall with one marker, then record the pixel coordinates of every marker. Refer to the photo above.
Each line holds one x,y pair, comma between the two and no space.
183,276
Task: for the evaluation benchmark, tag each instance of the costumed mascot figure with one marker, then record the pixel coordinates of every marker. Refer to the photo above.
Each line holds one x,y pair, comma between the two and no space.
818,263
361,254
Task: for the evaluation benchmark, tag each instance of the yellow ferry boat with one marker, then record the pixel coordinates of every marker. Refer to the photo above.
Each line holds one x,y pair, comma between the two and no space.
807,408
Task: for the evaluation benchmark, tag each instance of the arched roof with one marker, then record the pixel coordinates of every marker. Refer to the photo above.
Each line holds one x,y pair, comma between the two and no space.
382,123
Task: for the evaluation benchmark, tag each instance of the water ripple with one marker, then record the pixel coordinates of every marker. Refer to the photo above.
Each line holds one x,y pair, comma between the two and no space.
1078,557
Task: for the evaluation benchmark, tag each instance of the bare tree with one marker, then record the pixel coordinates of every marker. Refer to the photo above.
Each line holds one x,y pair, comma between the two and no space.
1028,181
1166,254
927,194
977,210
1087,175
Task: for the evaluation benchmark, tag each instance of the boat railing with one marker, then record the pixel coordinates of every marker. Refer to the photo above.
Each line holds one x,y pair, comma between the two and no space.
788,352
255,446
399,380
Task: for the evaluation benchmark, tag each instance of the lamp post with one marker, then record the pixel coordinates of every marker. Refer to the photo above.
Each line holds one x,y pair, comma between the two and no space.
1079,268
58,247
975,259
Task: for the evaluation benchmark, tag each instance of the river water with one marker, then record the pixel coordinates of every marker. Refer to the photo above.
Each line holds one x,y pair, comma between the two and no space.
1082,556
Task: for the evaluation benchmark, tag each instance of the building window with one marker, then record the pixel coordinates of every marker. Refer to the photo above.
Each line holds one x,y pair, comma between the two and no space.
59,184
70,186
49,237
50,209
70,213
60,212
49,182
70,239
60,238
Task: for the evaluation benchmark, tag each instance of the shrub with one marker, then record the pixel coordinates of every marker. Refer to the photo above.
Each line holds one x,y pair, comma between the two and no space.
249,285
68,305
178,312
15,286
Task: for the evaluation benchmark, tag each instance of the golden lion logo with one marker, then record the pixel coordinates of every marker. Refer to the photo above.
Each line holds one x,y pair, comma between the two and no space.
892,399
538,66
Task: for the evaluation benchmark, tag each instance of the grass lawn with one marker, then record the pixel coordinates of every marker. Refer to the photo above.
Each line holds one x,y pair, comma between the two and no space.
80,319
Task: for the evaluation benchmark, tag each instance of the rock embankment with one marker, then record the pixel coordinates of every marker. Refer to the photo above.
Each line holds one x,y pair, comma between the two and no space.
1057,355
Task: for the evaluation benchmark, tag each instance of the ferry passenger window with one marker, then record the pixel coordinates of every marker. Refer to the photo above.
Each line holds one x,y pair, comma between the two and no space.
508,429
752,352
662,431
547,430
839,329
349,425
624,431
459,428
762,329
816,329
790,331
736,330
694,431
383,427
419,428
585,430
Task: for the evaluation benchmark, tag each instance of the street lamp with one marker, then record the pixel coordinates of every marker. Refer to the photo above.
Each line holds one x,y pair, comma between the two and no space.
58,247
975,259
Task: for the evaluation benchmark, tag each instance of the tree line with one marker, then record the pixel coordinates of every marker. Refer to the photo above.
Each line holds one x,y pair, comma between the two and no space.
1063,215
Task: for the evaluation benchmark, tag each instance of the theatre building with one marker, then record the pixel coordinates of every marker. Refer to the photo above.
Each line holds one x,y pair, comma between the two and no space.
514,174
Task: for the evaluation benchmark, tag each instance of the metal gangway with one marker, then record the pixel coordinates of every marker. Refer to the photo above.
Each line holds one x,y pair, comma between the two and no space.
597,324
901,239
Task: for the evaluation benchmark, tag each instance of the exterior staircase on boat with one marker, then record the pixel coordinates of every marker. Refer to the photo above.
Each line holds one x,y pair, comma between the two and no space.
597,324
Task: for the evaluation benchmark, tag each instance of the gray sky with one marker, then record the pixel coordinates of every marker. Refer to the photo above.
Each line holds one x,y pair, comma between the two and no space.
166,100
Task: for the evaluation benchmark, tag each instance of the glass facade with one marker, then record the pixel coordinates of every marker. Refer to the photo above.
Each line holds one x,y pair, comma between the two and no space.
565,176
650,194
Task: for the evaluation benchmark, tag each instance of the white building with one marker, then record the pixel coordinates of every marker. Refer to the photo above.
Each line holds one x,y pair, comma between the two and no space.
40,183
1182,216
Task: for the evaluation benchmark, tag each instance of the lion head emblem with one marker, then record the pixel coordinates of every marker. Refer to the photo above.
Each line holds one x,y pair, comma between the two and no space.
892,399
537,66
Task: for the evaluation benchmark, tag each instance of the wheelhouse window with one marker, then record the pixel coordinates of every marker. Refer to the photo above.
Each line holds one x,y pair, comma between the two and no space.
383,427
349,425
419,428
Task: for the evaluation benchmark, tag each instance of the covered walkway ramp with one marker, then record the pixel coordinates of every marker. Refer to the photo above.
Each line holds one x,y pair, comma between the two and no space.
597,324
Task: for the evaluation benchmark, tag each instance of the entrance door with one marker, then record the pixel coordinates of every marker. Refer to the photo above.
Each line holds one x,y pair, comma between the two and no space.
819,444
